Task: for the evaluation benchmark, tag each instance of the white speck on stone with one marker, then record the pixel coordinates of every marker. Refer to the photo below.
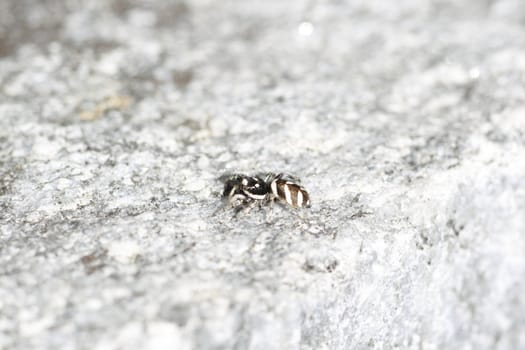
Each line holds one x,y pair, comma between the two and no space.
63,183
33,216
218,126
45,149
111,63
474,73
194,184
142,18
111,294
203,162
165,335
125,252
305,28
31,328
93,304
128,337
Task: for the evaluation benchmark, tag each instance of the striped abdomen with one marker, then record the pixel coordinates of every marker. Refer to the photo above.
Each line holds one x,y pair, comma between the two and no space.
290,192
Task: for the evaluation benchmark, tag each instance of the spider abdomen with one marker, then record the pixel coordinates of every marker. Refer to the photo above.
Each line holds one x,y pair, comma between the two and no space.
291,193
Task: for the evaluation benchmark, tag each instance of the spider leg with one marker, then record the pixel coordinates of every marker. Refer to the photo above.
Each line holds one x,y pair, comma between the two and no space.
244,208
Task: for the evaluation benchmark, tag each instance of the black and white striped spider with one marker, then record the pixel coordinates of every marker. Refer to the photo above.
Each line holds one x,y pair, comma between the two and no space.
245,192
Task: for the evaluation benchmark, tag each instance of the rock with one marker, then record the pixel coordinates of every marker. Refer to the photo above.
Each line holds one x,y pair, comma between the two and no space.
404,121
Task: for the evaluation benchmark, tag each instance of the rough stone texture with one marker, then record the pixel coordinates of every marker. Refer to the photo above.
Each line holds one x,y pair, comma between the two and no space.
405,120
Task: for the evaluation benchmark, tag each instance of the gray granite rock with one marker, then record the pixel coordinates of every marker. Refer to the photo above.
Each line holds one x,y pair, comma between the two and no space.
404,119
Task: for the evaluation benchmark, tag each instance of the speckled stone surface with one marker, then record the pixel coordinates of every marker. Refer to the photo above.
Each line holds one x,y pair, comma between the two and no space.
404,119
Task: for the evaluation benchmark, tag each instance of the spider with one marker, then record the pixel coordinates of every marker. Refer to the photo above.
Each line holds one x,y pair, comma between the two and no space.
244,192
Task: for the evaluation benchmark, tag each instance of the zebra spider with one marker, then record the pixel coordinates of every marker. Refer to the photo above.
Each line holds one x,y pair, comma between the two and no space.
244,191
